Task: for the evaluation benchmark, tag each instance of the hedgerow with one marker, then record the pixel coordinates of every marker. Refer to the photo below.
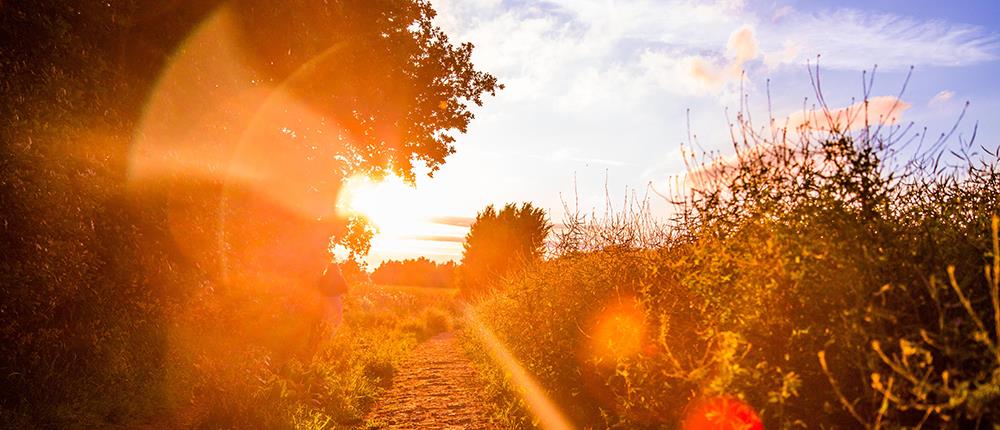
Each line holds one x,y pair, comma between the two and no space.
830,275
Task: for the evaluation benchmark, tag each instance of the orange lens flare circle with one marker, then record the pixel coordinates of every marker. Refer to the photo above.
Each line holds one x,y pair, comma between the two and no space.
247,163
722,413
618,331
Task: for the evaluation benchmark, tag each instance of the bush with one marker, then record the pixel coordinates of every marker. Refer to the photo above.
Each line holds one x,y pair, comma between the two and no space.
336,386
500,241
808,276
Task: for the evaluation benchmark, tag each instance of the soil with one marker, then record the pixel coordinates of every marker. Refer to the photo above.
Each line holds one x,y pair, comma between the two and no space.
436,388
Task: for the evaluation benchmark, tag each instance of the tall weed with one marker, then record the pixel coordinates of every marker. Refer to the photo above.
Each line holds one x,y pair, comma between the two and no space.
821,274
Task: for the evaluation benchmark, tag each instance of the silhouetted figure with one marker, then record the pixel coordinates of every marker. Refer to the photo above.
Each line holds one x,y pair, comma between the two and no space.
333,286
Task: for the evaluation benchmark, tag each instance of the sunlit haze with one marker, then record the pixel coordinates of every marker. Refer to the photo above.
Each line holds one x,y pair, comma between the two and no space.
597,92
500,214
408,223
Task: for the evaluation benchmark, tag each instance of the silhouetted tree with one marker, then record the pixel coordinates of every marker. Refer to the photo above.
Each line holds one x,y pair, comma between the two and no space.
357,239
500,241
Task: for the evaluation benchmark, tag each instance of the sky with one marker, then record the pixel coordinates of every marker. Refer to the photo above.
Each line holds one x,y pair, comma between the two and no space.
598,95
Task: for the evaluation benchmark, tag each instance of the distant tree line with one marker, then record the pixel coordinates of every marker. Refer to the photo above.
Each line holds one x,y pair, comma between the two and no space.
420,272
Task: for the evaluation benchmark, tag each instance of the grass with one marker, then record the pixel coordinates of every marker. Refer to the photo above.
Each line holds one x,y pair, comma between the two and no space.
816,277
332,384
356,364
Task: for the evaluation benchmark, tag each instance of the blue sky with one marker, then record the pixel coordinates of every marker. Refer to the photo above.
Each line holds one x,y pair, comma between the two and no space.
598,90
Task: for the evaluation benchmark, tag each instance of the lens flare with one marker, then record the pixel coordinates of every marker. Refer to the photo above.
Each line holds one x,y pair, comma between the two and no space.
541,407
618,331
245,168
222,140
722,413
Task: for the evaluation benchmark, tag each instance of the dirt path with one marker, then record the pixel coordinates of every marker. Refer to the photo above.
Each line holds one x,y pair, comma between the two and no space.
435,389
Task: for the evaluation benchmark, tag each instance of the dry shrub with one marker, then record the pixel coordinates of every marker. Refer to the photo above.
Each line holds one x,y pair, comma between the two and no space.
805,275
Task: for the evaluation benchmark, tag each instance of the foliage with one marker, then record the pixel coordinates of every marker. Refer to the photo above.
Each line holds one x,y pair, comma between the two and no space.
419,272
337,385
815,276
357,240
102,302
500,241
399,105
354,273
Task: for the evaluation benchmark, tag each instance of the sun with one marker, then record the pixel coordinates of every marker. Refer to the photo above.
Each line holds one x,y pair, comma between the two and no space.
406,218
393,206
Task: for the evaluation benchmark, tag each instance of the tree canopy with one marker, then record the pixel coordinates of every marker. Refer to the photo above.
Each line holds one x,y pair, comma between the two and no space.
500,241
390,78
97,272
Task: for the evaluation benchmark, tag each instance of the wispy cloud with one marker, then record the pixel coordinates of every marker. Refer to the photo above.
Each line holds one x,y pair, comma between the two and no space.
853,39
450,239
941,98
741,47
781,12
536,46
456,221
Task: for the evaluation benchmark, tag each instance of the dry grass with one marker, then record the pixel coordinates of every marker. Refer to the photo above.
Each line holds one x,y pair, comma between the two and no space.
818,275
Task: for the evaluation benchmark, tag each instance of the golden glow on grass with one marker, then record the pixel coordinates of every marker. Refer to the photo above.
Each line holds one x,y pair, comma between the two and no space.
541,407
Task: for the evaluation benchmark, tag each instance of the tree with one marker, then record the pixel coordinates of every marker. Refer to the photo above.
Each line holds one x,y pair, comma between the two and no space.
381,70
95,268
357,238
501,241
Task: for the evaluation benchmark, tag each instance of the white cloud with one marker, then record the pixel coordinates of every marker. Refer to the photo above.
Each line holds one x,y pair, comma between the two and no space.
557,50
781,12
704,74
788,54
676,73
576,54
612,80
562,30
941,98
742,45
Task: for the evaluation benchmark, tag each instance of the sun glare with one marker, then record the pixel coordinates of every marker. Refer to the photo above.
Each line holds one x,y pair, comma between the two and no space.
392,205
